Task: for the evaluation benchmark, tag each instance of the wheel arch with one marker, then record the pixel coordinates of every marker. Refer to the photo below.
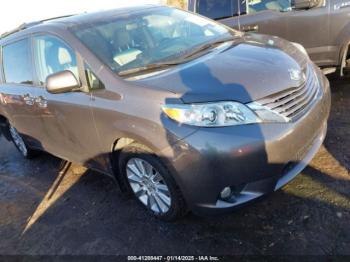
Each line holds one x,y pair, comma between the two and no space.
342,41
125,141
344,54
4,127
2,119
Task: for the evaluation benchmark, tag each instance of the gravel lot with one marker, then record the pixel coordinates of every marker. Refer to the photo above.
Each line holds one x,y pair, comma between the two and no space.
80,212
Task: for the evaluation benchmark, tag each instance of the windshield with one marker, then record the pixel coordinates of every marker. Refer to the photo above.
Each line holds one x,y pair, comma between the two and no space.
153,36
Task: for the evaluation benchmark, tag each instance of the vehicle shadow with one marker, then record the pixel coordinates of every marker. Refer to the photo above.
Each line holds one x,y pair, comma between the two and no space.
89,216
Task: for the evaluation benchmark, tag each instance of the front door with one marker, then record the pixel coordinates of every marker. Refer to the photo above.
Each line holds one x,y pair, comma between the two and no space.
311,28
304,25
265,16
67,124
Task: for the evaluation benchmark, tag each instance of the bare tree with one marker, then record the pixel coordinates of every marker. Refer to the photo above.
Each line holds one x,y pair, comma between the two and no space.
178,3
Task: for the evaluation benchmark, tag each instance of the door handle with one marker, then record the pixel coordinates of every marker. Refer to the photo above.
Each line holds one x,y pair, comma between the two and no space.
41,101
29,100
250,28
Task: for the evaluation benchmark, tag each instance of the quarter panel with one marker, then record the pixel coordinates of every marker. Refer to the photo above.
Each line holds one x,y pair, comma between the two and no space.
137,115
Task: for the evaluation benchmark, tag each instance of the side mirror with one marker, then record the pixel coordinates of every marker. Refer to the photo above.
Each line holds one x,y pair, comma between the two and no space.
61,82
305,4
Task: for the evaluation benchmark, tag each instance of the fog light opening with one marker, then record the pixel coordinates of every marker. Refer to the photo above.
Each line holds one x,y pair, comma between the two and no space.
232,193
226,193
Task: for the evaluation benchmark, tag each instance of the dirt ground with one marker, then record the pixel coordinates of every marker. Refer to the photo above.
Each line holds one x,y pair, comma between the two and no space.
79,212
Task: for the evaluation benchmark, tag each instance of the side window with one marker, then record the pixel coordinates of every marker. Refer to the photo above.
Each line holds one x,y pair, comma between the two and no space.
17,63
217,9
52,55
92,80
253,6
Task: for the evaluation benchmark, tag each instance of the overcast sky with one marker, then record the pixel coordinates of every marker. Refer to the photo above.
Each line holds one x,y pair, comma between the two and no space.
15,12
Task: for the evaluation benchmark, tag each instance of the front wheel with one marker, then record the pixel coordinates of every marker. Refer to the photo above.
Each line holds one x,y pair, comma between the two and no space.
18,141
144,176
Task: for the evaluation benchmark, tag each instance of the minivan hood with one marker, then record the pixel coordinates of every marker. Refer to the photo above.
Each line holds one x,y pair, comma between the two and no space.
255,68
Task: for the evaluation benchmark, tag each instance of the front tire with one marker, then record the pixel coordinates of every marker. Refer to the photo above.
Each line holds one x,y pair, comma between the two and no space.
144,176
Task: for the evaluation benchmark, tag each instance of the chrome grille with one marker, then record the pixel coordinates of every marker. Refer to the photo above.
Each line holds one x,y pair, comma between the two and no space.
292,102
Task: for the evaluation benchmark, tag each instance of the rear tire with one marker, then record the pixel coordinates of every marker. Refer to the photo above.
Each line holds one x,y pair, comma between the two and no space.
20,144
143,176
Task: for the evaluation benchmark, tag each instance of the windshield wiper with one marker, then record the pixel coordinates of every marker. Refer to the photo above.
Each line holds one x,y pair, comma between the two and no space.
146,68
207,46
183,59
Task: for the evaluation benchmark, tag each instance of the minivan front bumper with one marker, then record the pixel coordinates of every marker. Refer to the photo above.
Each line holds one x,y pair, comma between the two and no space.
253,160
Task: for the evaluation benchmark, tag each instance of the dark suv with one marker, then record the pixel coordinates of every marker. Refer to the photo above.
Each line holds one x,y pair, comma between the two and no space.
321,26
183,111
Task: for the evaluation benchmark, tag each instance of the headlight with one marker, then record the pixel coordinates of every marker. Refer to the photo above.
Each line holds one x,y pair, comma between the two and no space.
301,48
218,114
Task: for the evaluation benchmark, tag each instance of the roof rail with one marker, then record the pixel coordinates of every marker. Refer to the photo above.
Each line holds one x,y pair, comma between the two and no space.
31,24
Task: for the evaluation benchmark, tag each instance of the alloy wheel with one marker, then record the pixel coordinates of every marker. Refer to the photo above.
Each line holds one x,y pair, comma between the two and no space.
148,185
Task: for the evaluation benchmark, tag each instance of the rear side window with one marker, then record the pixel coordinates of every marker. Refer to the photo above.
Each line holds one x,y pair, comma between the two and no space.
217,9
17,63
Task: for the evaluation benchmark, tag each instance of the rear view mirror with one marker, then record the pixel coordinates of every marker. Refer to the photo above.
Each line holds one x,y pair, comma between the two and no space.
61,82
305,4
